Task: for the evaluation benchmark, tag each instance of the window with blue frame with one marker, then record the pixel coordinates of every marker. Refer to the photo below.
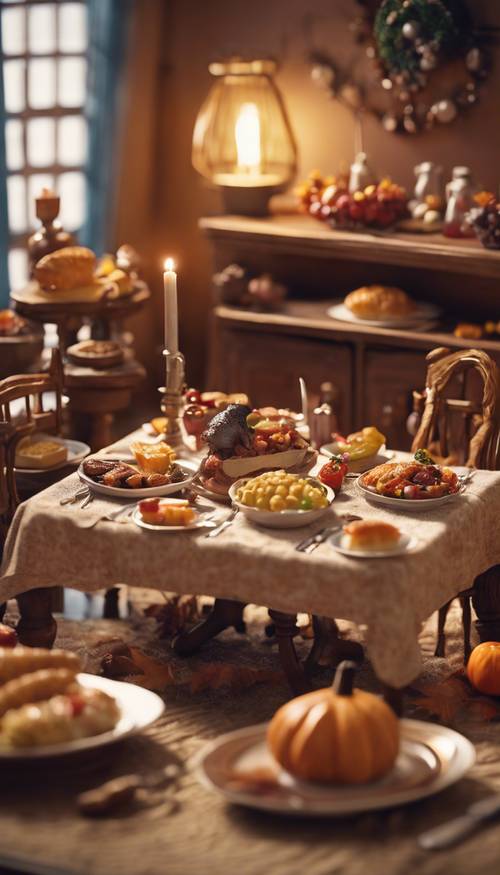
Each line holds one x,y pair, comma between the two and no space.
44,60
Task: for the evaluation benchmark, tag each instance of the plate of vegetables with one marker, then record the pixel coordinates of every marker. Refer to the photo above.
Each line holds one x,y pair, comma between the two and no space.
417,485
280,500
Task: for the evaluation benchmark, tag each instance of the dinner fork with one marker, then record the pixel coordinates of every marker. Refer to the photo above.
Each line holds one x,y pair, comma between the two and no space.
224,525
72,499
308,545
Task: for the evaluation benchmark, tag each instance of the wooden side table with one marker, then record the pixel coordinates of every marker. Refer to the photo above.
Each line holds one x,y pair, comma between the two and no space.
95,396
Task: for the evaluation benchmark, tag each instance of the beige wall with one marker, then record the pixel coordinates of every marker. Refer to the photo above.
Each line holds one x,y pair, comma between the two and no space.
162,197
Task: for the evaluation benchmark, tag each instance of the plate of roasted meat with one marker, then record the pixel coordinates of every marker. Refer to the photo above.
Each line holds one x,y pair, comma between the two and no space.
417,485
155,472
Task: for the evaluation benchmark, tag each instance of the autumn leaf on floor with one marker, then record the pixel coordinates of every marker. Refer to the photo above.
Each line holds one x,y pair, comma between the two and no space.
174,614
448,697
218,675
444,698
155,675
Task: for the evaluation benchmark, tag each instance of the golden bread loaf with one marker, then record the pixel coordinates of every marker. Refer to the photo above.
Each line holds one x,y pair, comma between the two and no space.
379,302
16,661
67,268
370,535
35,687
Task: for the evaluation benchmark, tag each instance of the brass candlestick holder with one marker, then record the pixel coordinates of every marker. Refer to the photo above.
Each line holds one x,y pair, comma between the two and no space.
172,396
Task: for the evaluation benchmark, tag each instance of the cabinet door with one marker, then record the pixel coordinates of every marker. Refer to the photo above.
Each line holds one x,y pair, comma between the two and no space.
389,380
268,367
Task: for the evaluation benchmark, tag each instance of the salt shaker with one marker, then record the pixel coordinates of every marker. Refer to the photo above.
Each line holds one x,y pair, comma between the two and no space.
324,420
460,199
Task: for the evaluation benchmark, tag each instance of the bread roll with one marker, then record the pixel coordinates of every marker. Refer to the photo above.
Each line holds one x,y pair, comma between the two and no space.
67,268
379,302
35,687
370,536
17,661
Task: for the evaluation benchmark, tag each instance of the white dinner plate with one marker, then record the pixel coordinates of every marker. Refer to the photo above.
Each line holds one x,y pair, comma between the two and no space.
77,451
139,708
405,544
189,468
431,758
424,313
281,519
407,505
201,522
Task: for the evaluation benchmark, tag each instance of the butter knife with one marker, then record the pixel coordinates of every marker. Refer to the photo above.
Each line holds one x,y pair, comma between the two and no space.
454,831
310,544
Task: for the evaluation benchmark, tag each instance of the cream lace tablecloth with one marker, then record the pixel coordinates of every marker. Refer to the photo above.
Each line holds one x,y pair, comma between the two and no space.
50,545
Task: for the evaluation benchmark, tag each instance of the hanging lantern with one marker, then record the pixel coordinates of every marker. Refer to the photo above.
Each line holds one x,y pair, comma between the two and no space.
242,139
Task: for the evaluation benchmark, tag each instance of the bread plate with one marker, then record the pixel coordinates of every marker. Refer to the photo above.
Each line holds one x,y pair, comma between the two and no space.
404,545
188,467
281,519
77,451
431,758
139,708
360,466
423,313
201,521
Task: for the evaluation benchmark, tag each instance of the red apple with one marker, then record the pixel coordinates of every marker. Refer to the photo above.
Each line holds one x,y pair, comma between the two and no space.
8,637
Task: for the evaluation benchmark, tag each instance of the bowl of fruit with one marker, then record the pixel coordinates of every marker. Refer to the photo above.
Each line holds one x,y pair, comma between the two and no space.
280,500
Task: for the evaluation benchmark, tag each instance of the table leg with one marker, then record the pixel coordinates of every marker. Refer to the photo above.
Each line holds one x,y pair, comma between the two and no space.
486,602
37,627
328,647
224,613
286,629
111,609
394,698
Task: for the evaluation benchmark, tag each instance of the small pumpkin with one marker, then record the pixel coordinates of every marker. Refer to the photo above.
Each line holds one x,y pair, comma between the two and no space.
483,668
335,735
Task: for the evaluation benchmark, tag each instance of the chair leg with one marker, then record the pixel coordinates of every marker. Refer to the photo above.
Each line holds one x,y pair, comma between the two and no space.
466,625
3,608
441,637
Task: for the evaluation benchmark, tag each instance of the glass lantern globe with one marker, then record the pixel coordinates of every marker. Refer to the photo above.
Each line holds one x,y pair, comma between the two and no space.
242,138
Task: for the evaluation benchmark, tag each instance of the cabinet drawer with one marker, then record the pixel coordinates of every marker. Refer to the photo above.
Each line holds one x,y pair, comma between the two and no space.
268,367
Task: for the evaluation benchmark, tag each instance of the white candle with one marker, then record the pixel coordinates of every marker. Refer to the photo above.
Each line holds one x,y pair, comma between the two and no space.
171,321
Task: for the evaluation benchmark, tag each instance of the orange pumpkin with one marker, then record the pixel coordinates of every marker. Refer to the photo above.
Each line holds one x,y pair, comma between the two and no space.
335,735
483,668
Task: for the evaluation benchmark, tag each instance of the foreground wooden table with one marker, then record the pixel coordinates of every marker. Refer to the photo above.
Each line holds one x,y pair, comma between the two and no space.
51,545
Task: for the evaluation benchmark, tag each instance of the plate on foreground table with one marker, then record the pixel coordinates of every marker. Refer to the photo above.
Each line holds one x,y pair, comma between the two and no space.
407,505
423,314
189,469
77,451
431,758
405,544
201,522
282,519
139,708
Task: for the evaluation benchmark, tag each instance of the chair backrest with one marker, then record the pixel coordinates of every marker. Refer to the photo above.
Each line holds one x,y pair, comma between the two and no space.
15,426
480,435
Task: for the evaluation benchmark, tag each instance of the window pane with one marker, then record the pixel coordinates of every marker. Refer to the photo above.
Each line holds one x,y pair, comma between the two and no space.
18,268
14,144
13,72
41,142
72,27
13,37
42,28
35,184
16,198
72,81
71,188
72,140
42,83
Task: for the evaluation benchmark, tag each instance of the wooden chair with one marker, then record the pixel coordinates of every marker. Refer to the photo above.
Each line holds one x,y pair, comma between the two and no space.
34,417
476,424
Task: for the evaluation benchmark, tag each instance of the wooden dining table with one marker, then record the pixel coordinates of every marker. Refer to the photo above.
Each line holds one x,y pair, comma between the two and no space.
454,544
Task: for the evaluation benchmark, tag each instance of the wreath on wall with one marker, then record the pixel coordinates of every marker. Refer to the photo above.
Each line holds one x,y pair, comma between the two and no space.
406,42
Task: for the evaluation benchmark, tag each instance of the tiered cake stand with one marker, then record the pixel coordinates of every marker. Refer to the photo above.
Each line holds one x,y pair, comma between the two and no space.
95,396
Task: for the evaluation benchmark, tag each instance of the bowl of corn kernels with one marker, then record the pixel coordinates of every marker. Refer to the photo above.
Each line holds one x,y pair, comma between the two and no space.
281,500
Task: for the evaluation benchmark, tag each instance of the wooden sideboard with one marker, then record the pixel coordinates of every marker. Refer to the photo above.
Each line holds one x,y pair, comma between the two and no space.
375,370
